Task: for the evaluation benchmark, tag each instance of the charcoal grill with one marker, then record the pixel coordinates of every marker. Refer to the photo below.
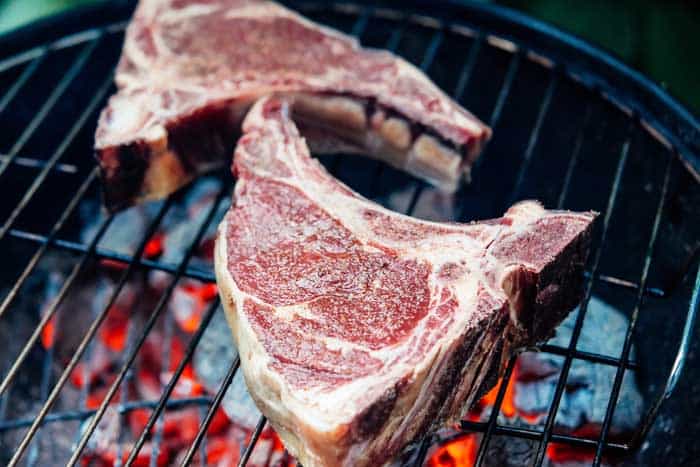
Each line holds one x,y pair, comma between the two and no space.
573,127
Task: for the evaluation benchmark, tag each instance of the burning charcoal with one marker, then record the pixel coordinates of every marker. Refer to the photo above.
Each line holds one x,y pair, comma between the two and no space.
212,359
505,451
528,398
126,230
189,302
602,319
182,223
177,229
106,435
589,385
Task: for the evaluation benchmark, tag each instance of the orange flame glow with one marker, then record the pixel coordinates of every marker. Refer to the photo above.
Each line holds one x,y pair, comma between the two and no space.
114,331
201,296
48,333
459,452
154,247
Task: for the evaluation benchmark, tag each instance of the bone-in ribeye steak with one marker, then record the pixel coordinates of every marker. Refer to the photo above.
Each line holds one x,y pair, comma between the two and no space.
360,328
190,69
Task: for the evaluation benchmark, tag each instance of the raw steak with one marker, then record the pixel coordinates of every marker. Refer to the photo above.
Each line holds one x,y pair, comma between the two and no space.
190,69
358,328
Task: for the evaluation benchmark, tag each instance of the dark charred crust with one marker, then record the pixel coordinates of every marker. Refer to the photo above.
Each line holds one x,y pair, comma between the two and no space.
552,303
201,141
371,420
452,373
496,327
493,372
123,170
204,138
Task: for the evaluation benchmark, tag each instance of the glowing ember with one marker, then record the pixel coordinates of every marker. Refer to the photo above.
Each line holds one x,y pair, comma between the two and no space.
225,440
459,452
154,246
508,406
566,453
48,333
191,300
187,385
112,264
462,451
114,331
561,453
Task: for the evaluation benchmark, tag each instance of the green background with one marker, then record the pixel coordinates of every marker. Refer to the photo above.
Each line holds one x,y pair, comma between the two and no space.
658,37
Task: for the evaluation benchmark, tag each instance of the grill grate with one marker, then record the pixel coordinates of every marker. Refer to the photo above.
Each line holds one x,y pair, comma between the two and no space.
539,102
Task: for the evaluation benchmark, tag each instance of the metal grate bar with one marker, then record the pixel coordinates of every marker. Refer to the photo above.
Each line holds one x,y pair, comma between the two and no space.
536,435
4,399
626,348
211,412
361,24
67,140
431,52
564,374
111,255
72,205
513,67
468,68
38,163
503,94
203,447
43,112
573,160
21,58
189,352
165,296
62,43
616,281
27,73
87,338
253,441
534,137
588,356
87,413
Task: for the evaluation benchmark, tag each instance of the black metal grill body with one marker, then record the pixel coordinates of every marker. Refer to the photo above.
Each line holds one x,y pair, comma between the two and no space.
573,128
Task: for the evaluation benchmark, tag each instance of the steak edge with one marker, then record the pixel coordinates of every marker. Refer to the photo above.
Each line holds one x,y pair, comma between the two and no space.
190,70
360,329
